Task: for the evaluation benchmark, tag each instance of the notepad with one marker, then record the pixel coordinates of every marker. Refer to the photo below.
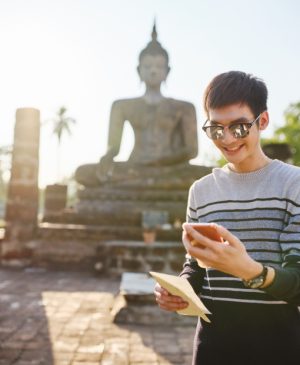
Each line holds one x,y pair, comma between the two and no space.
179,286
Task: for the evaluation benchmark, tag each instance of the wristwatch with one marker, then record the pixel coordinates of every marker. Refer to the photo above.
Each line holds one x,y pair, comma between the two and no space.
258,280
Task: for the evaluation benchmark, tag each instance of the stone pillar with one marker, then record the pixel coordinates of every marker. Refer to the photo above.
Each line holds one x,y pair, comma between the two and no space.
55,202
22,198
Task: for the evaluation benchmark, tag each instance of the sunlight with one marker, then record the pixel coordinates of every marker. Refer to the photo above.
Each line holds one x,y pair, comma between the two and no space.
81,328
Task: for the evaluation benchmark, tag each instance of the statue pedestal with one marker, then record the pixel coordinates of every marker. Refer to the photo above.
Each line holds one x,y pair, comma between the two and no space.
105,230
122,256
106,206
123,203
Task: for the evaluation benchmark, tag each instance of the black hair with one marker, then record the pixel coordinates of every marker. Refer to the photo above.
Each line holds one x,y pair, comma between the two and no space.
236,87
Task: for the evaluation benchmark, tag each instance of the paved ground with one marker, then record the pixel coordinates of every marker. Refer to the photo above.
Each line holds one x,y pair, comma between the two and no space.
59,318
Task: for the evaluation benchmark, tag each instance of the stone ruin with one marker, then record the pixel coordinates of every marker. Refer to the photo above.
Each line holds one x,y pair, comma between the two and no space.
129,214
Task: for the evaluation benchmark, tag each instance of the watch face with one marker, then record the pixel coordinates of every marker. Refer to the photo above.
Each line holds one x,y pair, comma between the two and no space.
256,283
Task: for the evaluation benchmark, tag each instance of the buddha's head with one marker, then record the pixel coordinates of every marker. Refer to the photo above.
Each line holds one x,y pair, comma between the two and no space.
153,65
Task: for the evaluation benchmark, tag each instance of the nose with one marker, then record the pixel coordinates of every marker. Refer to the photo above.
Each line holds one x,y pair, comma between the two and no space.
228,137
153,70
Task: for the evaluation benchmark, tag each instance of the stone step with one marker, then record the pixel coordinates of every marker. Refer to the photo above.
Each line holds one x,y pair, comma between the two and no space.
121,256
105,232
129,195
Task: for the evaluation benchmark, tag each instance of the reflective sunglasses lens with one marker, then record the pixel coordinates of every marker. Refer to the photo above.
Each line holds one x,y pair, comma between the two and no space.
215,132
239,130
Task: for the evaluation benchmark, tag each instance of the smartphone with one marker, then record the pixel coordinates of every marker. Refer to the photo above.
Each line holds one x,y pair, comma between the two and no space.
208,230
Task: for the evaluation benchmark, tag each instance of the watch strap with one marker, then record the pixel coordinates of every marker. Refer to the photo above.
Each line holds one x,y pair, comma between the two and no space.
261,278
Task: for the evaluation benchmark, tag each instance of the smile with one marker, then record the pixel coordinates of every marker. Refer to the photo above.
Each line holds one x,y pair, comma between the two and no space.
232,150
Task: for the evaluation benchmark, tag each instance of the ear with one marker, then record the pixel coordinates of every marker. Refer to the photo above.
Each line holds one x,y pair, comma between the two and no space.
264,120
167,72
139,72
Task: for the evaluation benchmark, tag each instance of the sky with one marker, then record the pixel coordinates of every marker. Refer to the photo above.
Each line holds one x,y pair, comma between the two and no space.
82,54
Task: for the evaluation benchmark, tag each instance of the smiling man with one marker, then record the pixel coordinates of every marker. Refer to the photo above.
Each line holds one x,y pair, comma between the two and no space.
252,281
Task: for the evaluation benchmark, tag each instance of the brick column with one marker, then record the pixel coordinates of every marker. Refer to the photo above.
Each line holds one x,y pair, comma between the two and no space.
22,198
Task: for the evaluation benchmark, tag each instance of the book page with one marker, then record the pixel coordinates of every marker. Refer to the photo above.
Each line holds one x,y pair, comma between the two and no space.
182,288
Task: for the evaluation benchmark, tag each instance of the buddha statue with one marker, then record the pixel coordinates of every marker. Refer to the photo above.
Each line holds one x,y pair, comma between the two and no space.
165,132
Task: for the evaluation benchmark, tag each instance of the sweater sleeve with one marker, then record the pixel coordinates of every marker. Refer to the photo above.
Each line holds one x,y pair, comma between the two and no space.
286,284
191,270
193,273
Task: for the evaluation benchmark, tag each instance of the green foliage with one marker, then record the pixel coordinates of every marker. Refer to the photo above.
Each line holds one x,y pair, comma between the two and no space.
221,161
290,132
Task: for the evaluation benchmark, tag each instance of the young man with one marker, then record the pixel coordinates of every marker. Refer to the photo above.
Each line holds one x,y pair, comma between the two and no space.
252,284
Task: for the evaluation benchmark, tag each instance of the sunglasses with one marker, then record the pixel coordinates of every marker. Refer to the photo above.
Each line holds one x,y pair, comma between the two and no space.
237,130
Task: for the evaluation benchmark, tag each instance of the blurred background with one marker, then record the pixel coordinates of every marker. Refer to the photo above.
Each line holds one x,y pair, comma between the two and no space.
82,55
70,59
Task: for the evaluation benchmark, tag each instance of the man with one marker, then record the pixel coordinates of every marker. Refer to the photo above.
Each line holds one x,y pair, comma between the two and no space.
252,284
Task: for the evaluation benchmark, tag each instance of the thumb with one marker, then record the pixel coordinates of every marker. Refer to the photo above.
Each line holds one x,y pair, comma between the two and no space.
228,236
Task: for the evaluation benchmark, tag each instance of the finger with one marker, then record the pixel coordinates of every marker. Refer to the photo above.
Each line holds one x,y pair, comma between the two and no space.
163,295
202,253
159,289
170,299
186,240
228,236
188,244
172,306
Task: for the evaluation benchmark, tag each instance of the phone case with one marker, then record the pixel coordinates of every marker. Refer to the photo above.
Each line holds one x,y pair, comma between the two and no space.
207,230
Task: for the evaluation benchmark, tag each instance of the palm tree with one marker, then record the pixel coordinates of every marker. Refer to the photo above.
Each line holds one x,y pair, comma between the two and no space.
61,125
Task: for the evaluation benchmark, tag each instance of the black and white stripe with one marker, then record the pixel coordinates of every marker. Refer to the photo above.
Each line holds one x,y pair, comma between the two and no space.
261,211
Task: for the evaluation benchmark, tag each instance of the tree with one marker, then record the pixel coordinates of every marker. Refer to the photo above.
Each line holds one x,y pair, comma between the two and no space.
290,132
61,125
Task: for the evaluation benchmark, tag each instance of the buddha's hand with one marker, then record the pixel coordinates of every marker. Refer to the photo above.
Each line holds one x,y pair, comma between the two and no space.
104,168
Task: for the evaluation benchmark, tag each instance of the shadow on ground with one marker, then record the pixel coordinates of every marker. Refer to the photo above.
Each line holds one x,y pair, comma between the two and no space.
64,318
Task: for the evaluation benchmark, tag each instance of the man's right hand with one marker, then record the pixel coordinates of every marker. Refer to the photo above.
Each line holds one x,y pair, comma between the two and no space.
167,301
104,167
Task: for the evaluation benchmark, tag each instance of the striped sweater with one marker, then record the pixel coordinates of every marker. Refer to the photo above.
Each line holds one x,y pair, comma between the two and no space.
262,208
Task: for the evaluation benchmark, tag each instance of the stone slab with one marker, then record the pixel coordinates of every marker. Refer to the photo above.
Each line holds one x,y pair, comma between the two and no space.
51,304
136,284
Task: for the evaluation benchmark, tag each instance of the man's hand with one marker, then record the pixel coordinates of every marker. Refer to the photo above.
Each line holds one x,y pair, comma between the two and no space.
230,256
167,301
